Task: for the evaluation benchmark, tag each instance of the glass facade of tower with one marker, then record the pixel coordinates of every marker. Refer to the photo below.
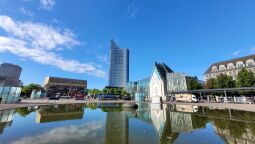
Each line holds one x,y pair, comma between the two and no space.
119,66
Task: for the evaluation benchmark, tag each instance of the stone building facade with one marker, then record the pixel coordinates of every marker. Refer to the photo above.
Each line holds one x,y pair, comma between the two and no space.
230,67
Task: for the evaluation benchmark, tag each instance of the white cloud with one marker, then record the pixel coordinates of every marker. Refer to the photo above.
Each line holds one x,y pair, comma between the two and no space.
40,35
132,10
26,12
236,53
78,133
47,4
40,43
102,58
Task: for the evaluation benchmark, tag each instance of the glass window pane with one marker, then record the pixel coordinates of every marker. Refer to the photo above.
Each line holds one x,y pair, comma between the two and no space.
5,94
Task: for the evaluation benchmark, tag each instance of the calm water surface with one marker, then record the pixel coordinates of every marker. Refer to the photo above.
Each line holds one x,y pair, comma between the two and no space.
112,124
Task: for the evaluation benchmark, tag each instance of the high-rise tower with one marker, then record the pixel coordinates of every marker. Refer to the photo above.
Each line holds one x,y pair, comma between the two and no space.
119,66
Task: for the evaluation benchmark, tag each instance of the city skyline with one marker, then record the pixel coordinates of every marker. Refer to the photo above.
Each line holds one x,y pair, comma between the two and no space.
46,39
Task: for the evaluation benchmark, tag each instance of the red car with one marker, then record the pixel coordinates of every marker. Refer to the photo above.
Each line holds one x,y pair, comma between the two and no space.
79,97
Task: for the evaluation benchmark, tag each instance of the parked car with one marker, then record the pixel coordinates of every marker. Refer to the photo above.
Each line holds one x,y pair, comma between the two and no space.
54,97
79,97
127,98
20,99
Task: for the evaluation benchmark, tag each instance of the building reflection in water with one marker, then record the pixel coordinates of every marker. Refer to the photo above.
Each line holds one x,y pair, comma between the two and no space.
55,113
6,118
181,121
175,122
172,123
116,123
116,128
230,126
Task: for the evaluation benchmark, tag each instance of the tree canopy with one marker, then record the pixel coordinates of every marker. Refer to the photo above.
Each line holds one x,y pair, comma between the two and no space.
193,84
245,79
94,92
225,81
27,90
211,83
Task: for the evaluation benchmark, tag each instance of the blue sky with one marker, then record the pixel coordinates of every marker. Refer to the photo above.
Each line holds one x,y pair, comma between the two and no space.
72,38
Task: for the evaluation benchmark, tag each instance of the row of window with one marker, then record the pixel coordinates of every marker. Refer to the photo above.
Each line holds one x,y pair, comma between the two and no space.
232,73
231,66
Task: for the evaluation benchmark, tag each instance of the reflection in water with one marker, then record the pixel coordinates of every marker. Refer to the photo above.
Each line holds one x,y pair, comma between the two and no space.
116,128
66,134
182,124
6,118
26,110
187,108
59,113
111,123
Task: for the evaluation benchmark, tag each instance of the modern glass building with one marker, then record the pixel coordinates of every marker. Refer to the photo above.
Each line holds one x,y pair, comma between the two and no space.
9,94
140,88
119,66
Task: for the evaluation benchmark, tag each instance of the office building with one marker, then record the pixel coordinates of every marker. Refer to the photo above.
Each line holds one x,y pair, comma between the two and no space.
10,85
64,86
230,67
119,66
10,74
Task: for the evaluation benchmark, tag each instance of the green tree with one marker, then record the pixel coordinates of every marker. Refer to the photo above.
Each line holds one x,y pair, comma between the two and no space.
94,92
123,92
104,91
225,81
117,91
23,111
193,84
245,79
110,91
211,83
27,90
